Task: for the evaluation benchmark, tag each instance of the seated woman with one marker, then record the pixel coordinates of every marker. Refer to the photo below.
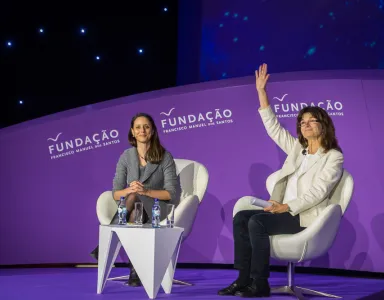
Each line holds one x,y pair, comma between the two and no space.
312,169
143,173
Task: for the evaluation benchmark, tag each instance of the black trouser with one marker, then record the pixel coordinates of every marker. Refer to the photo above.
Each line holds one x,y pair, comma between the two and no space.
251,231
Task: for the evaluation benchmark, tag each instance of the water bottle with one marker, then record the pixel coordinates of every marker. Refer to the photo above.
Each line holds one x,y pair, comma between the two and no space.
156,214
122,211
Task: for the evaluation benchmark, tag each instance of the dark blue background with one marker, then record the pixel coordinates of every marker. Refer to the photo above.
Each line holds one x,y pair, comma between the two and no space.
226,38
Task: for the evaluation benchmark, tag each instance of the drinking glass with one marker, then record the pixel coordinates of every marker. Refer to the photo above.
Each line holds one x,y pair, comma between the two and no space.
139,213
170,215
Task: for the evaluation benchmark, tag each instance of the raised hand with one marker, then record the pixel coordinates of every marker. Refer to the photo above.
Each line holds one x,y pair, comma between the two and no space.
261,77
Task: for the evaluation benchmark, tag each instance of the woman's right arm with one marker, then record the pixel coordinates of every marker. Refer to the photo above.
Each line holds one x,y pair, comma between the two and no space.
120,180
280,135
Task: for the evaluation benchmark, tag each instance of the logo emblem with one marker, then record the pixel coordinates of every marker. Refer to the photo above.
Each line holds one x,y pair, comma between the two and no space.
62,148
176,122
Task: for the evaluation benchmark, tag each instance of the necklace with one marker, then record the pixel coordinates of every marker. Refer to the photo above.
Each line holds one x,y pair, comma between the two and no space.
141,157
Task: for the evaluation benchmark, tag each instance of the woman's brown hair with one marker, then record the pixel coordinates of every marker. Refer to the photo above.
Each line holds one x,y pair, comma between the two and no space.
328,135
156,151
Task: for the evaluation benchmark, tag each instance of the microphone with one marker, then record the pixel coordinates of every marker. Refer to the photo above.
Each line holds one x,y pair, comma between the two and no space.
304,152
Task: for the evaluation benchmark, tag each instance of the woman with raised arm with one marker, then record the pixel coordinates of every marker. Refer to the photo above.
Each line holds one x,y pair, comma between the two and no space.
144,172
313,167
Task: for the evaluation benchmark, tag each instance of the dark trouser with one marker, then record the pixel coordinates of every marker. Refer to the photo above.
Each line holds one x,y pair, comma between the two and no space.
251,231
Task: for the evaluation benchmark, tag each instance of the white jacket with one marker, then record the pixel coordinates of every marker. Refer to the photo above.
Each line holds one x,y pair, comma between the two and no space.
315,184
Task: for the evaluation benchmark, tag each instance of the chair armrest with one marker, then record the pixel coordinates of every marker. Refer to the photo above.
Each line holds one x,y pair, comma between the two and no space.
312,242
106,208
185,214
244,204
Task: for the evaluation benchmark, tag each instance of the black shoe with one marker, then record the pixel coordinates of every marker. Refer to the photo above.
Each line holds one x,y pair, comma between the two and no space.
256,289
232,290
95,253
134,279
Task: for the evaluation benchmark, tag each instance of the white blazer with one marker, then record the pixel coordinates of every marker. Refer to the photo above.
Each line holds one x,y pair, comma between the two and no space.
315,184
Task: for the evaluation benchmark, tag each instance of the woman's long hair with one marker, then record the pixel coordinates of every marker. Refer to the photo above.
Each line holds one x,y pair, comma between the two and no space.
328,136
156,151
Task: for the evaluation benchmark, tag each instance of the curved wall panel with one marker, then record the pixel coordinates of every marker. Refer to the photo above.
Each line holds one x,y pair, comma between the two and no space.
53,169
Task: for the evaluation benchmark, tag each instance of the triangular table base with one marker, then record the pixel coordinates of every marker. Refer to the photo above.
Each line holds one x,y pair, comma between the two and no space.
152,251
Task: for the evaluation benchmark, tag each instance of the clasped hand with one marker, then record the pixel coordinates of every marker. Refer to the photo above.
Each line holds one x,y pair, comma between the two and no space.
137,187
276,207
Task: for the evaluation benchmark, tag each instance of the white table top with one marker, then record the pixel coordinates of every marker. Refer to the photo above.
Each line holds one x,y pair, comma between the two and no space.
144,226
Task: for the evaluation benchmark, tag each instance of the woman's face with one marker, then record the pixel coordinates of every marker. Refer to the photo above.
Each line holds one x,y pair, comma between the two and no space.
142,130
310,127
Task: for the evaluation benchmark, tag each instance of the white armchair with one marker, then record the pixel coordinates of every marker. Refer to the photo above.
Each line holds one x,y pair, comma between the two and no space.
193,181
193,178
312,242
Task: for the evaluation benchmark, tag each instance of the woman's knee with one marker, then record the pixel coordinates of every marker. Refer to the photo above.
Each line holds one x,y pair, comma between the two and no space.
131,198
241,217
131,216
256,224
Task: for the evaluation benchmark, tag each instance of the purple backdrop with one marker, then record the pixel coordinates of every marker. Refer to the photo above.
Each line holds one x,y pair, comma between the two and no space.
47,206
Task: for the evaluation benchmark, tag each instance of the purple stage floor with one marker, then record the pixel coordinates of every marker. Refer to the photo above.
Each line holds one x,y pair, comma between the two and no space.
80,283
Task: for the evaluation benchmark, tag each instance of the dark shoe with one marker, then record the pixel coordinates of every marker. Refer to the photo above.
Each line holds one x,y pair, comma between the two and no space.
95,253
232,289
256,289
134,279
